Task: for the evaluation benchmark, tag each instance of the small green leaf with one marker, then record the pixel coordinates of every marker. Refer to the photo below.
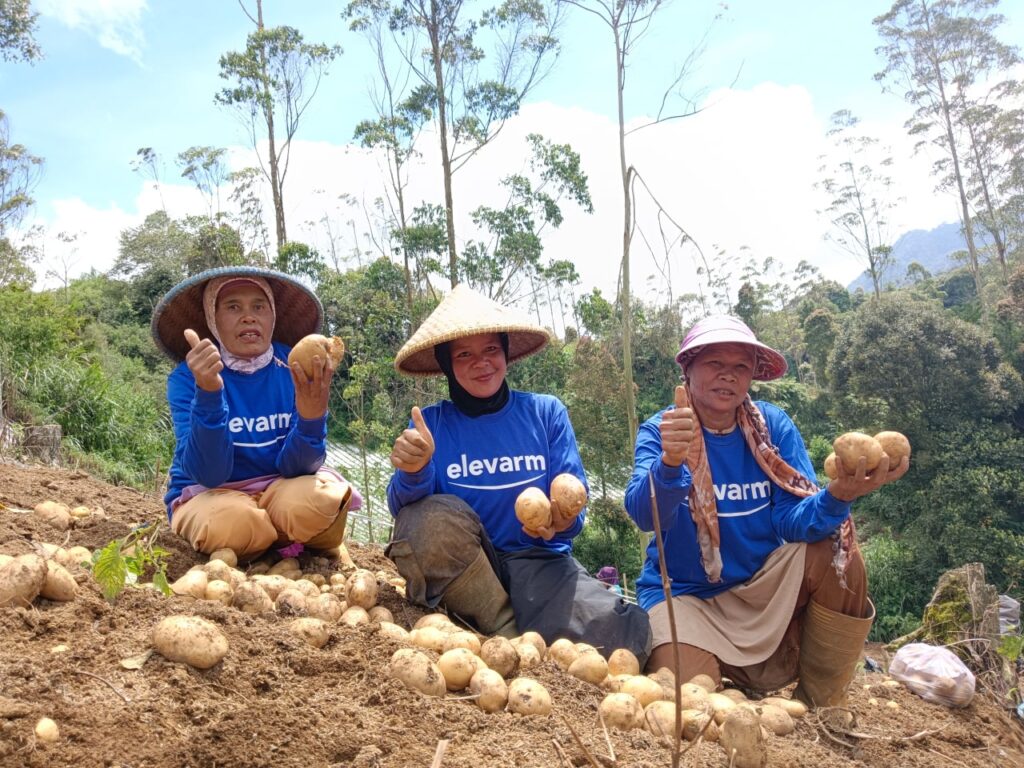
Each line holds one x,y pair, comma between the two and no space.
110,570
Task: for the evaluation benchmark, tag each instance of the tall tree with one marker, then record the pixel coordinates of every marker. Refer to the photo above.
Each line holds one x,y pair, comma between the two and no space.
17,27
273,81
859,192
19,174
937,52
469,105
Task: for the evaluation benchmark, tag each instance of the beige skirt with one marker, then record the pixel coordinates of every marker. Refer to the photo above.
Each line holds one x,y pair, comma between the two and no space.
744,625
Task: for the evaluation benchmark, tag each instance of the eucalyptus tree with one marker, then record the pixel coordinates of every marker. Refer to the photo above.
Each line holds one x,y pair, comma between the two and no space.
271,84
17,30
938,53
448,44
859,193
205,168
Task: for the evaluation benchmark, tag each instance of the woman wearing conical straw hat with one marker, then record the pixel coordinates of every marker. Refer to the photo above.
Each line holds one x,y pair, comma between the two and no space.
250,432
459,469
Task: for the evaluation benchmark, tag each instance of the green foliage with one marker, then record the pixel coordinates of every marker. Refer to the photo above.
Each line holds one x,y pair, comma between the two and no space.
609,538
896,587
17,30
1011,647
127,560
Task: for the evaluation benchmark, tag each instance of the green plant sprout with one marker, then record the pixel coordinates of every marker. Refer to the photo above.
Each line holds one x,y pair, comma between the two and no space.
123,561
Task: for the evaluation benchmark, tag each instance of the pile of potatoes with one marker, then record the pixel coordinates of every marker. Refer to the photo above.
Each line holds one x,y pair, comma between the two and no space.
850,447
43,574
61,516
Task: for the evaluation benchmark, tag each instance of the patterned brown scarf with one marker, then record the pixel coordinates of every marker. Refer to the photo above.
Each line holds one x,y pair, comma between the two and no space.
703,509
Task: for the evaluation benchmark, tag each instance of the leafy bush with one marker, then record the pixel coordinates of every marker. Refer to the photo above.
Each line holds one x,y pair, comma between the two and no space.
895,586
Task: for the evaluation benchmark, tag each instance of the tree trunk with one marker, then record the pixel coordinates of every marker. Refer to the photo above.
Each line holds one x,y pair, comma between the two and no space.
442,125
42,442
994,228
268,114
627,216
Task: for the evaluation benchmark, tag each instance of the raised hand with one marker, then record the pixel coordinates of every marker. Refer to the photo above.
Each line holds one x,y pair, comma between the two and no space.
313,394
849,486
203,359
415,446
678,427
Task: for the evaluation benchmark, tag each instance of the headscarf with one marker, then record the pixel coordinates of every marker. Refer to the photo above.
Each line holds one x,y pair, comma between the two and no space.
210,294
468,404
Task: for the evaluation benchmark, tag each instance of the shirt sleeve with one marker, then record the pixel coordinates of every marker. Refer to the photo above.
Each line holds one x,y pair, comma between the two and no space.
305,449
671,484
796,518
200,420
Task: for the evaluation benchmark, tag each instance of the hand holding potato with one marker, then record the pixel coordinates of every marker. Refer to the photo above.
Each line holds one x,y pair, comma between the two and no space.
677,430
414,447
861,464
203,359
848,486
313,393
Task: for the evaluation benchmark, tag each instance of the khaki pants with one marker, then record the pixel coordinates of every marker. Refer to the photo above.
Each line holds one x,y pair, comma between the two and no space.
308,509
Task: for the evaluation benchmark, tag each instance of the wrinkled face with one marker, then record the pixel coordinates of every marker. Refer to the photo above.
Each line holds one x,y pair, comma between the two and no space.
479,364
719,378
244,320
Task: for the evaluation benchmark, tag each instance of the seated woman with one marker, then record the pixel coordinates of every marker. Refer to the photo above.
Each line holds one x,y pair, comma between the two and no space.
460,467
250,433
767,580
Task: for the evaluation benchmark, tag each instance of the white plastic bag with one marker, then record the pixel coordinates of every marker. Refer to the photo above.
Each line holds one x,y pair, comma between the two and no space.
1009,616
934,673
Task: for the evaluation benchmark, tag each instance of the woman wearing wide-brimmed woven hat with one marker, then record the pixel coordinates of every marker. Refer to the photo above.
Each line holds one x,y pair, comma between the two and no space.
767,581
461,465
250,432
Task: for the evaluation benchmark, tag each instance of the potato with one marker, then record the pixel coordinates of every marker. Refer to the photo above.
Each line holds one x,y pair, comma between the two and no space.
355,616
361,589
380,613
326,607
273,585
47,730
317,579
417,672
590,668
393,631
59,584
568,494
643,689
219,592
743,741
534,639
613,683
830,467
490,690
776,719
500,655
852,446
528,697
217,570
306,587
432,620
705,682
250,597
21,579
721,705
896,446
283,566
692,696
54,514
462,639
697,722
585,648
529,656
666,678
430,637
192,584
77,556
338,579
190,639
735,694
458,666
623,662
316,345
291,602
313,631
792,707
533,509
660,718
621,711
563,652
226,556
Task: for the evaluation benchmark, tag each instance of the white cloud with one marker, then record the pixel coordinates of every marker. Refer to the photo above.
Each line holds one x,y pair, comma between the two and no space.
114,23
739,177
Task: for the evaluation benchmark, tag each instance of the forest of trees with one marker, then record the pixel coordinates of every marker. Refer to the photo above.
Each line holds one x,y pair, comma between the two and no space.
941,360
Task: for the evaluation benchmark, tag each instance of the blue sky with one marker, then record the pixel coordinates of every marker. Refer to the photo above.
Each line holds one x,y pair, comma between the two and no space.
124,74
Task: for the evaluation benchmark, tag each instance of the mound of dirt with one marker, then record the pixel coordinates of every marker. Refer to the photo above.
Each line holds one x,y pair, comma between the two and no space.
277,702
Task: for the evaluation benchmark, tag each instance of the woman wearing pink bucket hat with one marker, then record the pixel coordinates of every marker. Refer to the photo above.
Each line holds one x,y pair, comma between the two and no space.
767,581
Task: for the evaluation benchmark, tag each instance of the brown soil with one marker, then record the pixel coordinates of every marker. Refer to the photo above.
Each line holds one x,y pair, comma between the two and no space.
274,701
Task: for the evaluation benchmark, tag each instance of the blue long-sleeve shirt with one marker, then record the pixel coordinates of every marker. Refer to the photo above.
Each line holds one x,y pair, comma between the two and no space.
250,428
488,460
755,516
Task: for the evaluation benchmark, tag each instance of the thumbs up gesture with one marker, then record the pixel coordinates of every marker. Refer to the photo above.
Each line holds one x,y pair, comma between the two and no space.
414,447
203,359
677,430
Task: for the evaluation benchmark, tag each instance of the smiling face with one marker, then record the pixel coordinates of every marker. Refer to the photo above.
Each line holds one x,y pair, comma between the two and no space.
245,320
719,378
478,363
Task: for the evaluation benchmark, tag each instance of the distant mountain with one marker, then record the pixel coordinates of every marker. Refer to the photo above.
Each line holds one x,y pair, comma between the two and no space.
933,249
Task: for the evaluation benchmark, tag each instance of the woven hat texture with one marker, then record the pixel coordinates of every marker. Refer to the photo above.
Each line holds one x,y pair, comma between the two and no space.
724,329
461,313
298,310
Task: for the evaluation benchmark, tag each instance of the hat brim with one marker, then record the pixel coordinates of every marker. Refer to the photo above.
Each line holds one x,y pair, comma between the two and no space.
769,364
463,313
298,311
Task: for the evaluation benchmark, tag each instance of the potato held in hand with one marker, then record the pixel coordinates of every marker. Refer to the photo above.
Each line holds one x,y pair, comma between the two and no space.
568,495
315,344
533,509
896,446
852,446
